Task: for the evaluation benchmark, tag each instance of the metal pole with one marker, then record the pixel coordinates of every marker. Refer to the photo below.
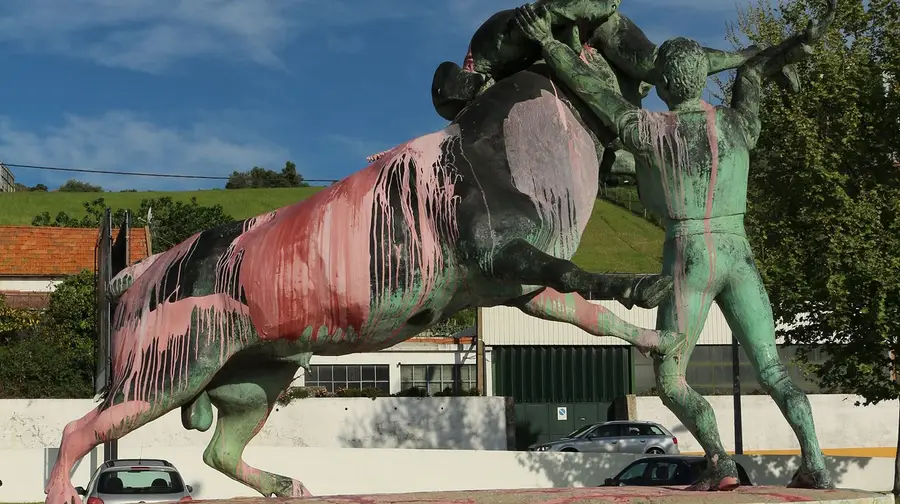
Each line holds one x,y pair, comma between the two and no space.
738,422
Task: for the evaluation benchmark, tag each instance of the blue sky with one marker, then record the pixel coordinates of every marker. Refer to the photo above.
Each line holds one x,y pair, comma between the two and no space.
206,87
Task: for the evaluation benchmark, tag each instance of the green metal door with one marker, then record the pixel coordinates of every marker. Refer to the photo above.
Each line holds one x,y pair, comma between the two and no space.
558,389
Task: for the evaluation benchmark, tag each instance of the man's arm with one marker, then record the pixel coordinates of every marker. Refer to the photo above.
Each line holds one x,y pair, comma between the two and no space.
745,97
609,106
627,47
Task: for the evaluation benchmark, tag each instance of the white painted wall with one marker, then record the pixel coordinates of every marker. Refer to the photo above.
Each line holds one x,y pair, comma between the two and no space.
28,284
330,471
393,422
839,424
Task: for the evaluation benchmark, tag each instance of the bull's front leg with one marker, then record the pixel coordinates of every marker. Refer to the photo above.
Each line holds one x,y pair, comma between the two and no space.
595,319
521,262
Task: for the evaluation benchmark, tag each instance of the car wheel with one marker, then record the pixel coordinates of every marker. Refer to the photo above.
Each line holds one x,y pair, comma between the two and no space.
655,451
569,450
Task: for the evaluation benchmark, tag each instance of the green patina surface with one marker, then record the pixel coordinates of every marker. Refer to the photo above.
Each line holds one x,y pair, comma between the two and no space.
692,165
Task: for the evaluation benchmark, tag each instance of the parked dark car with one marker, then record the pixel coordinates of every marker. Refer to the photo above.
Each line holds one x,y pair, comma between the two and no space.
667,470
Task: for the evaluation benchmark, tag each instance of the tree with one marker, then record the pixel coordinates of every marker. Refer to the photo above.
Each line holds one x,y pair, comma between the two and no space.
455,323
171,221
56,358
73,185
174,221
15,322
260,177
824,214
25,188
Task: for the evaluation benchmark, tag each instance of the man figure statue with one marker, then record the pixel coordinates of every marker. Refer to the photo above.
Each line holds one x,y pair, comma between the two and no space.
692,165
499,49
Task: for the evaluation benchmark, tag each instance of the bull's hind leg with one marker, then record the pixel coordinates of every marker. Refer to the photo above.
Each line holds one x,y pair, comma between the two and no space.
105,423
244,397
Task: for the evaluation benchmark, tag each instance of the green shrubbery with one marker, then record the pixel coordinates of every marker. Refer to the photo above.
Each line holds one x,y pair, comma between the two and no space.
312,392
50,353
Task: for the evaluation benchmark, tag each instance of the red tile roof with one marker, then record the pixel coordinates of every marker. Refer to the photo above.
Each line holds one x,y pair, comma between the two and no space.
38,251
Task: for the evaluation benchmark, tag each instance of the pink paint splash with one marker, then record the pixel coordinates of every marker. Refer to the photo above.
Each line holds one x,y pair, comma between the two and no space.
588,53
713,139
469,61
660,130
435,207
319,249
542,135
140,332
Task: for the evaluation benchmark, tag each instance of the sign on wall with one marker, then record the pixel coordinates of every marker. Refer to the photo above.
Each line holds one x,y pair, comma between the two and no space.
562,413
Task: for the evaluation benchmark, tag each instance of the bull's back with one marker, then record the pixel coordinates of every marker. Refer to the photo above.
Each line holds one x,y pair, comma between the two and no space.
347,265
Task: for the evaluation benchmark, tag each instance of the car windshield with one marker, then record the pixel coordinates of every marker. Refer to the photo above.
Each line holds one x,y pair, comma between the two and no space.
581,430
140,481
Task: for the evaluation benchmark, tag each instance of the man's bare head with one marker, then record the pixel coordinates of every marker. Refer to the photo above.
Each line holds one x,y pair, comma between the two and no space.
682,68
579,10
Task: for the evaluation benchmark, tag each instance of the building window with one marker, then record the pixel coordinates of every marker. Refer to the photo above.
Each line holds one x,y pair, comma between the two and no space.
334,378
709,371
435,378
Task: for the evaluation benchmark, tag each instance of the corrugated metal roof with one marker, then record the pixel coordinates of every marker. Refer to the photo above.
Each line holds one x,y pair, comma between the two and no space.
508,326
503,325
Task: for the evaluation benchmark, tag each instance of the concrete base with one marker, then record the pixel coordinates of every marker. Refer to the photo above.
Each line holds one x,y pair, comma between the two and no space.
602,495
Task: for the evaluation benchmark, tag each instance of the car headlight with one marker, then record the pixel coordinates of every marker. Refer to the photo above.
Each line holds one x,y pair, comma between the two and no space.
542,448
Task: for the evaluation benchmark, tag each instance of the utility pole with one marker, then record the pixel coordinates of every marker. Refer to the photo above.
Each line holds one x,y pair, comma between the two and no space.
736,373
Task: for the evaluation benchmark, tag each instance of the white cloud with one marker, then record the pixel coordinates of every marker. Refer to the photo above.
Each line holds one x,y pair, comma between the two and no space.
122,141
149,35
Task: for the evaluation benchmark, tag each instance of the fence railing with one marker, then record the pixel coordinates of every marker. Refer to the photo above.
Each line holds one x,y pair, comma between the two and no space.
627,198
7,180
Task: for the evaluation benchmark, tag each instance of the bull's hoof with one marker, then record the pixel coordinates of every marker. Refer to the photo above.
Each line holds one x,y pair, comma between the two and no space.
649,291
62,493
721,476
807,478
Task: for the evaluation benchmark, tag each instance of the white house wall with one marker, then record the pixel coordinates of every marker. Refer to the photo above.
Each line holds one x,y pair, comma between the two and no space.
28,284
503,325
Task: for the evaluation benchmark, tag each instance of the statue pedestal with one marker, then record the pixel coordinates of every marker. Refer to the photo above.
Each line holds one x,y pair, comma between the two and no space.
601,495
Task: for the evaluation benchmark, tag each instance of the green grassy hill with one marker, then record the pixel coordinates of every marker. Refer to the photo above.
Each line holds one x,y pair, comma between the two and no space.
615,240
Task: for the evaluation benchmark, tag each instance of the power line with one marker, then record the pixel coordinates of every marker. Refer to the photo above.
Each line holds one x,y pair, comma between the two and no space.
135,174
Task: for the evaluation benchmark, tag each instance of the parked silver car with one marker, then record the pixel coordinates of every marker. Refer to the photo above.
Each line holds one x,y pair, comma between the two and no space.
125,481
631,436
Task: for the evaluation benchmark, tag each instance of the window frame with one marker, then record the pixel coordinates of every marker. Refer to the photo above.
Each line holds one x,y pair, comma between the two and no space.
431,385
333,385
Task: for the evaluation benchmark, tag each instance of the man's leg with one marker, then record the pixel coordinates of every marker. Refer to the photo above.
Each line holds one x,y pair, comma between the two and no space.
696,282
747,309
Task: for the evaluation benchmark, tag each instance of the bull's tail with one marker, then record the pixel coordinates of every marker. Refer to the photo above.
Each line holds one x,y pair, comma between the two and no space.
126,278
